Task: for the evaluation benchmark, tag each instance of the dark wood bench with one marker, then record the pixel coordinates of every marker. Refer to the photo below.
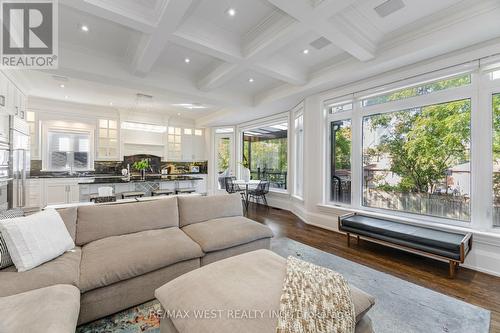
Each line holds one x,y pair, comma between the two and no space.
423,240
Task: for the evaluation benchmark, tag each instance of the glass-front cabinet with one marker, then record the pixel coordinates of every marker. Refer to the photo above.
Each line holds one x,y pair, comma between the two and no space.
107,140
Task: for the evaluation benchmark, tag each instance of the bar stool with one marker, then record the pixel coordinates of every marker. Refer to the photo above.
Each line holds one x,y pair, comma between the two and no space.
162,192
136,194
185,190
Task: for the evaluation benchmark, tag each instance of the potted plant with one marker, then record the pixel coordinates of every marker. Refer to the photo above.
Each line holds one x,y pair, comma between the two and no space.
142,165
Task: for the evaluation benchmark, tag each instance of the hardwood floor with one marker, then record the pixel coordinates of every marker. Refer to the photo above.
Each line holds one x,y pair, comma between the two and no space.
470,286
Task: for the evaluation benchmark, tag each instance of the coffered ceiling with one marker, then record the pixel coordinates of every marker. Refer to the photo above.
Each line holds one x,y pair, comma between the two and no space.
246,58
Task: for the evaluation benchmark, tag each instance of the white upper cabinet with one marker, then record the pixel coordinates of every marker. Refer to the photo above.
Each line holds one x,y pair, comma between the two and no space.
192,146
107,139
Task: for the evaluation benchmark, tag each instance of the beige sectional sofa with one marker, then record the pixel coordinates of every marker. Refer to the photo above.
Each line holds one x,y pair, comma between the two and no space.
126,251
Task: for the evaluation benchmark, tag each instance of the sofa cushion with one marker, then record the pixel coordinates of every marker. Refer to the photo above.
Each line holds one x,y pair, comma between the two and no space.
35,239
195,209
52,309
252,280
223,233
119,258
68,216
101,221
62,270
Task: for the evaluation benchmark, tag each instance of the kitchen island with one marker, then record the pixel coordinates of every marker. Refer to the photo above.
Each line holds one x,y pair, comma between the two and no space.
89,186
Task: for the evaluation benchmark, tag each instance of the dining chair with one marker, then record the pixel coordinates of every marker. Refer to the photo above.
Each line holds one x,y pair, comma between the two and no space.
260,192
231,187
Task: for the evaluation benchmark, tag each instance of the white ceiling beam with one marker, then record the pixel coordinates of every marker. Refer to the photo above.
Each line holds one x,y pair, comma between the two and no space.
220,75
151,46
279,68
112,14
343,34
279,33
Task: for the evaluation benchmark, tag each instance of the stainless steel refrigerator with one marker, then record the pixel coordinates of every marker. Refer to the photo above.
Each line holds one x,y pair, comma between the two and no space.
20,161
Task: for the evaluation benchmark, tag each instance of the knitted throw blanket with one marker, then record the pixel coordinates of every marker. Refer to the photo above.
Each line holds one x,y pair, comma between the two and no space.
315,300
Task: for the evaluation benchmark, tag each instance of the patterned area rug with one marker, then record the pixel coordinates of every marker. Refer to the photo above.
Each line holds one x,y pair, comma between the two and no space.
137,319
400,306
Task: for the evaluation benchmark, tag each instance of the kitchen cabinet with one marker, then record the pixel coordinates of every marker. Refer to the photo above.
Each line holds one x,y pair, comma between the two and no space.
61,191
4,126
107,140
193,145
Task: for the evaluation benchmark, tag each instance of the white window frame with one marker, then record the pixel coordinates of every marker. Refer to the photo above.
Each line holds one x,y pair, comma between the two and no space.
248,126
479,92
298,156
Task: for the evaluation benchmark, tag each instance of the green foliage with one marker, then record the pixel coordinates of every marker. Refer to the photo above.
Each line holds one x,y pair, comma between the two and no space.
423,143
343,139
141,165
496,145
270,154
223,154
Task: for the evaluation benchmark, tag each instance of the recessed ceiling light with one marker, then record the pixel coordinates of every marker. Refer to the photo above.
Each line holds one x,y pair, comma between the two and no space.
190,106
111,103
251,80
187,60
84,28
305,51
231,12
61,85
178,113
66,97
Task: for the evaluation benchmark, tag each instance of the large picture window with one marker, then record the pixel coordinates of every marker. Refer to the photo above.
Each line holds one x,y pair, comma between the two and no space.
265,153
418,160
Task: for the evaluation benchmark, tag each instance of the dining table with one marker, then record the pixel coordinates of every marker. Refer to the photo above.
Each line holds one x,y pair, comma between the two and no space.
249,185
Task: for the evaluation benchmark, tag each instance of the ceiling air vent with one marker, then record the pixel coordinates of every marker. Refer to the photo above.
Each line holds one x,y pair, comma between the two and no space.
389,7
320,43
60,78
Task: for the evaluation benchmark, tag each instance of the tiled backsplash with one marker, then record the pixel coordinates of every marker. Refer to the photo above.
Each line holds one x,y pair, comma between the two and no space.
115,167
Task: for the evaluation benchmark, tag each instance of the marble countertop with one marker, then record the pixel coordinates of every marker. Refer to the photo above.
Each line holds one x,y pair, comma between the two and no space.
121,180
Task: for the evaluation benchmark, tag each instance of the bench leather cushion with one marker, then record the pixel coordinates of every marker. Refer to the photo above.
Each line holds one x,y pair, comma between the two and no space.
195,209
64,269
433,238
251,281
119,258
224,233
101,221
52,309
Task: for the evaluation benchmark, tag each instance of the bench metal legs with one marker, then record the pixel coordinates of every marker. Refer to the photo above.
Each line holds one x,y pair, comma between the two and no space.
349,239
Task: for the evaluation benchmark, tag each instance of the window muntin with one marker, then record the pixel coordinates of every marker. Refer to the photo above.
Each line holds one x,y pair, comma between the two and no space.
299,155
418,160
68,151
265,153
339,107
496,160
340,163
418,90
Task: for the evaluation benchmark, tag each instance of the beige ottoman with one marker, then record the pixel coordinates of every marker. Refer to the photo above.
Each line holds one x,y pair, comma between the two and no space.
52,309
238,294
